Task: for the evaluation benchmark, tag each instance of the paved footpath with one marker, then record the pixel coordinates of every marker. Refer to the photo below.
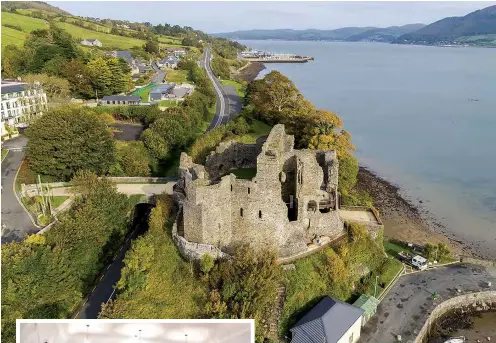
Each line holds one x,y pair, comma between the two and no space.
127,188
406,307
16,223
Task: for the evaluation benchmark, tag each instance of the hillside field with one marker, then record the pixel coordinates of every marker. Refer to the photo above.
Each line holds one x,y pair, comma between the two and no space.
107,40
28,24
12,37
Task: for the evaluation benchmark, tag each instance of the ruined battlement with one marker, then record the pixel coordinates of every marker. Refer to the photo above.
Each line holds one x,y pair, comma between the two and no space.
291,199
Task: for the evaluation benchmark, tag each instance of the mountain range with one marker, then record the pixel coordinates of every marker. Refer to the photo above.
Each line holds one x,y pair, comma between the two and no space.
476,28
385,34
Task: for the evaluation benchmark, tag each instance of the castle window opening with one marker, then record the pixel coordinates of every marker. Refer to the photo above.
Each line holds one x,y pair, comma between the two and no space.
312,206
231,188
260,214
241,212
248,190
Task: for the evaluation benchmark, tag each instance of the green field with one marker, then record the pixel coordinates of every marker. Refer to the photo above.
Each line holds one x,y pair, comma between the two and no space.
28,24
240,88
107,40
170,40
176,76
144,92
169,103
258,129
12,37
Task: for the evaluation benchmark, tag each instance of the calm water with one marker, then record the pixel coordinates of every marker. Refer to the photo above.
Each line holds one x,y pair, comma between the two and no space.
409,111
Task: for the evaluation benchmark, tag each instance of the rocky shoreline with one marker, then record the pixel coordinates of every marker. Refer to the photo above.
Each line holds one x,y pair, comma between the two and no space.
405,221
251,71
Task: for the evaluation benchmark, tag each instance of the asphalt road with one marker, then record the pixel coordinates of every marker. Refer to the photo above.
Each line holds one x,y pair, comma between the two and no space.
221,113
159,76
104,290
407,306
16,223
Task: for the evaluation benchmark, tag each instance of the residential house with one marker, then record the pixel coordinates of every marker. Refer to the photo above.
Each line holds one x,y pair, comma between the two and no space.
170,62
161,92
20,104
120,100
126,55
330,321
180,92
177,51
91,42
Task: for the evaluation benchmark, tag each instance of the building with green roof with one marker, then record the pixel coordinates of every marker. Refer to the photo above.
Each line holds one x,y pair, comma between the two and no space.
368,304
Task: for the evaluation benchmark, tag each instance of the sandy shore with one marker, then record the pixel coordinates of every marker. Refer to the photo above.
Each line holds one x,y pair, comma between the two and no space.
403,220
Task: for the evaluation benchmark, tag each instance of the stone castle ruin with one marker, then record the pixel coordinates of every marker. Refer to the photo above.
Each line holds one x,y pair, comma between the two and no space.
289,200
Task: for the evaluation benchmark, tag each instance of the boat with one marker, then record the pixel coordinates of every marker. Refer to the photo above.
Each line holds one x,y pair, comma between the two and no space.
460,339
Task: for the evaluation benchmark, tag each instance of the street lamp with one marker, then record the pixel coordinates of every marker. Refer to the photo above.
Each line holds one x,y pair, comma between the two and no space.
375,288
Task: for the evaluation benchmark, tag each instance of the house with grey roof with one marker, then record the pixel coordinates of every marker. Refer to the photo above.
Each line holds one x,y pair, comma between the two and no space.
91,42
161,92
115,100
330,321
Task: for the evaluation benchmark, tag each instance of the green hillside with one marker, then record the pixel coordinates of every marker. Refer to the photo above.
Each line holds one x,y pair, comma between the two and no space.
28,24
107,40
36,5
12,37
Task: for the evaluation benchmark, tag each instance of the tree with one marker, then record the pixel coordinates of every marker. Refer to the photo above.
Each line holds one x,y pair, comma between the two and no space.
207,263
245,287
220,67
100,75
151,46
134,158
67,139
79,79
348,171
55,87
156,144
13,61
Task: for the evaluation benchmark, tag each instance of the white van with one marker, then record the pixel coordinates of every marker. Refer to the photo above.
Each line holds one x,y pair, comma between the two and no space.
419,262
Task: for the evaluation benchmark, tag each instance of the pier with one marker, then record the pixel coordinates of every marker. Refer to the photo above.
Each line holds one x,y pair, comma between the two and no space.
270,57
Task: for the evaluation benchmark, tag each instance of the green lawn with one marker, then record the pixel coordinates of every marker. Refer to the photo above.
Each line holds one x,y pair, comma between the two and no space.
176,76
169,103
58,200
240,88
259,129
12,37
28,24
4,153
144,92
107,40
246,173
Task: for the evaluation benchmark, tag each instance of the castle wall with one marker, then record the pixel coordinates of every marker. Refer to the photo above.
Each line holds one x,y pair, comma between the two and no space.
270,211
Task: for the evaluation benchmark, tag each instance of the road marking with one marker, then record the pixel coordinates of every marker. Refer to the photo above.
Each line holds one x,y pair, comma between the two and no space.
102,276
110,265
111,295
77,314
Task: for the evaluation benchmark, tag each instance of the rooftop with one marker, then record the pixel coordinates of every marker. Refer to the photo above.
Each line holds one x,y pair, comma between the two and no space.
163,88
326,322
121,98
12,86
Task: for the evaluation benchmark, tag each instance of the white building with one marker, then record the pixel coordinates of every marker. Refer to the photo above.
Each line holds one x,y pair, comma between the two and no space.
91,42
330,321
21,103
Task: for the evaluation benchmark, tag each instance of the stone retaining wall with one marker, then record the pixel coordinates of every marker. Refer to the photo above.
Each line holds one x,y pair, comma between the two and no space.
195,251
485,263
477,301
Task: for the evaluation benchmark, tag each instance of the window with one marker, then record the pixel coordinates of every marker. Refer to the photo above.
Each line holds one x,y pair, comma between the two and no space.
231,188
260,214
248,190
241,212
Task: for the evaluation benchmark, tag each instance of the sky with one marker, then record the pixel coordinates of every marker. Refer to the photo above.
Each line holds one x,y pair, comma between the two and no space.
216,17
